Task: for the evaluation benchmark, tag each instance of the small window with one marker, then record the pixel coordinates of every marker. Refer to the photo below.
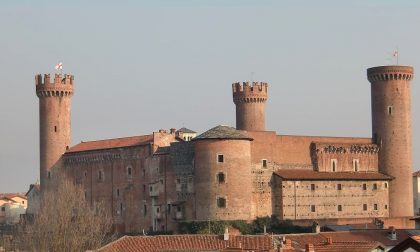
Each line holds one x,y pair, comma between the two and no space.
386,206
129,171
356,165
333,165
151,188
221,202
48,174
312,187
375,186
101,175
375,206
178,181
85,173
339,187
118,192
55,128
178,209
144,173
23,202
313,208
221,177
121,207
220,158
364,207
157,210
364,187
144,210
144,188
390,110
264,163
339,208
3,209
386,185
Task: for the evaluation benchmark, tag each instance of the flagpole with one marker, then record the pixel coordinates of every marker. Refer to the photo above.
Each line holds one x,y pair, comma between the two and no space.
398,55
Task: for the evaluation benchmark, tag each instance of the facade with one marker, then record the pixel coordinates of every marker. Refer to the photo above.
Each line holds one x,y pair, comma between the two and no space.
12,205
152,182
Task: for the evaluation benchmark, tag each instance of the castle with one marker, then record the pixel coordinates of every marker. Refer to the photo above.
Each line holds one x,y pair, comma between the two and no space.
154,181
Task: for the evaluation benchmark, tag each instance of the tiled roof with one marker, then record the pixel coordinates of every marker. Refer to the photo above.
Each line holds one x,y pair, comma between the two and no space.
301,174
187,243
12,195
185,130
111,143
352,246
416,174
222,132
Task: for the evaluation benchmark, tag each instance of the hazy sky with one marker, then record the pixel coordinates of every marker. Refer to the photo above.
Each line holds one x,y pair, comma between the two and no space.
144,65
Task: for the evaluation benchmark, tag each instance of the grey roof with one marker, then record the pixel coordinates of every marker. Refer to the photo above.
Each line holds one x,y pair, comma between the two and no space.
185,130
223,132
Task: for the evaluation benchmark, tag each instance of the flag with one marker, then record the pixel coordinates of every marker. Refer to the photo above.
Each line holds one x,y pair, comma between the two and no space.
59,66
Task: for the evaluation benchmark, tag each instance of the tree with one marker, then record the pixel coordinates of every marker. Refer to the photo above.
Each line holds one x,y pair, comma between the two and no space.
66,221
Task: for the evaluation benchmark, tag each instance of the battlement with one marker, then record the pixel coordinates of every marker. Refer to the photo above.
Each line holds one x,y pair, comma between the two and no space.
246,92
390,73
60,86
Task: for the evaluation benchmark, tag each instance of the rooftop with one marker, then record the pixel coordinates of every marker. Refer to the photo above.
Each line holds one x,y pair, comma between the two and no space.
301,174
185,130
111,143
223,132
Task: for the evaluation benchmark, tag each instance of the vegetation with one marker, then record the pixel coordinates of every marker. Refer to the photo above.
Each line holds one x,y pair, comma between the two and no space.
273,225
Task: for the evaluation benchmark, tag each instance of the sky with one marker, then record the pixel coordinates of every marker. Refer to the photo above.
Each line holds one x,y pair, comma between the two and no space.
141,66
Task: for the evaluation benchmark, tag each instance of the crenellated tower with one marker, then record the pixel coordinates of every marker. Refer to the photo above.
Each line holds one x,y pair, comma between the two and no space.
54,120
391,130
250,105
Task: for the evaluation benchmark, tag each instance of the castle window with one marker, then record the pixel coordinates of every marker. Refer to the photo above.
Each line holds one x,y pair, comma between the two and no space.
338,186
333,165
129,171
375,186
3,209
144,210
144,188
390,110
220,158
118,192
386,185
85,174
121,207
339,208
313,208
312,187
157,209
55,128
221,177
48,174
364,207
221,202
356,165
364,187
101,175
386,206
144,173
264,163
375,206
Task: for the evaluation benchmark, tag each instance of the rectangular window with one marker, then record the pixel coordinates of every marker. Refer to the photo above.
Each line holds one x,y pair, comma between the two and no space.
364,187
144,210
364,207
375,186
375,206
220,158
221,202
338,186
339,208
313,208
264,163
356,165
386,185
333,165
386,206
390,110
312,187
3,209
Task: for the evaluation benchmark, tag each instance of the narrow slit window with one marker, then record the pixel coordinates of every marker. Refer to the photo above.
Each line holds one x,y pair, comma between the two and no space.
55,128
339,208
333,165
264,163
390,110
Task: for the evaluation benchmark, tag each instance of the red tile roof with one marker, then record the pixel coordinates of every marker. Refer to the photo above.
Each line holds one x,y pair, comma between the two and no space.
301,174
11,195
353,246
187,243
111,143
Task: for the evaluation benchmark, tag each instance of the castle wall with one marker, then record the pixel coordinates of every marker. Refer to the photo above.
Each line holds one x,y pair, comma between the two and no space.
324,200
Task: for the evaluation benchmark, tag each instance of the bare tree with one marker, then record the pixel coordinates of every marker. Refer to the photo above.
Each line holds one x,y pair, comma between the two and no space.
66,221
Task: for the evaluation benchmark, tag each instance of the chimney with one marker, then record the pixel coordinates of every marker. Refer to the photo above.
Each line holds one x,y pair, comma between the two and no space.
309,247
173,130
226,235
329,241
392,233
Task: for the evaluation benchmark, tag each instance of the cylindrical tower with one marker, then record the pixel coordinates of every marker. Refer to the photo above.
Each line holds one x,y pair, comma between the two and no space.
223,178
391,130
54,121
250,105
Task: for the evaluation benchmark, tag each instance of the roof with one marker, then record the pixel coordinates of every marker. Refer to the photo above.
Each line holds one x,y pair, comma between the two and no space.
12,195
416,173
301,174
188,243
111,143
411,242
223,132
185,130
352,246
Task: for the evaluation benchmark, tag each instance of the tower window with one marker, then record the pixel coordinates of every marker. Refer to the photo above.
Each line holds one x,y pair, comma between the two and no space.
339,208
220,158
55,128
390,110
312,187
221,177
386,185
121,207
118,192
364,207
339,187
364,187
375,186
375,206
386,206
313,208
48,174
264,163
221,202
356,165
129,171
333,165
144,210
